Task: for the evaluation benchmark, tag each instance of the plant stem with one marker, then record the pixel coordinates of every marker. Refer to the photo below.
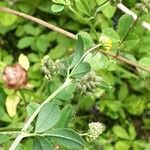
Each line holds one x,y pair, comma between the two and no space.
94,30
86,21
28,123
126,35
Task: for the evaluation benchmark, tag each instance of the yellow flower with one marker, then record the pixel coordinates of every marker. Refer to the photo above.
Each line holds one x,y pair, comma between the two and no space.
106,43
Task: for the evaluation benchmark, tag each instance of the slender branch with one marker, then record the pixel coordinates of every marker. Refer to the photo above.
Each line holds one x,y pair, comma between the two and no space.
39,21
71,35
131,13
28,123
122,59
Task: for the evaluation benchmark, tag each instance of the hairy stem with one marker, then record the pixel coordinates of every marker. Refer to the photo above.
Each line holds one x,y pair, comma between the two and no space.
31,119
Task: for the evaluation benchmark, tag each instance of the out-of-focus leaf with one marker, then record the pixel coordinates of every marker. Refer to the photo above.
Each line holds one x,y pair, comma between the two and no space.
25,42
120,132
57,8
134,104
124,145
11,104
24,61
145,61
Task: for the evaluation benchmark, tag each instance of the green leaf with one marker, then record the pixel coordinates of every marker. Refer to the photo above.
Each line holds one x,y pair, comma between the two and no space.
57,8
42,43
134,104
108,147
67,93
122,145
84,106
33,57
78,51
120,132
145,61
31,108
141,145
3,116
124,24
123,92
131,41
80,70
66,137
132,132
58,52
105,86
112,34
113,105
41,143
87,40
65,117
97,61
7,19
25,42
109,11
4,138
81,8
29,29
44,6
48,117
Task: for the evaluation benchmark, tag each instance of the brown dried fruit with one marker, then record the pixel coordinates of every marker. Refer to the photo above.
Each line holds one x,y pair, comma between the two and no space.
15,77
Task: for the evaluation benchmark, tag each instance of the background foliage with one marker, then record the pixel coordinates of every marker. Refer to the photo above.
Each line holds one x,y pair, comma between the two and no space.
124,109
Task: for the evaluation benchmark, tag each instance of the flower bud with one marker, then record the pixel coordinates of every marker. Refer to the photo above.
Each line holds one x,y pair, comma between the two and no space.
95,129
15,77
144,6
89,82
49,67
106,43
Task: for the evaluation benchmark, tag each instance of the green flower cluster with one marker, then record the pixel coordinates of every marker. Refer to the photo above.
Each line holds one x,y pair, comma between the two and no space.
144,6
49,67
89,82
95,129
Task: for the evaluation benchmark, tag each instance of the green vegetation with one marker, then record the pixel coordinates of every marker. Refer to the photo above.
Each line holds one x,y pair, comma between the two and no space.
84,87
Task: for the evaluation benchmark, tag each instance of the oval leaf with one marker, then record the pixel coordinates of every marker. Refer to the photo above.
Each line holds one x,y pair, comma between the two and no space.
66,137
81,70
11,104
40,143
24,61
78,51
57,8
65,117
48,117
